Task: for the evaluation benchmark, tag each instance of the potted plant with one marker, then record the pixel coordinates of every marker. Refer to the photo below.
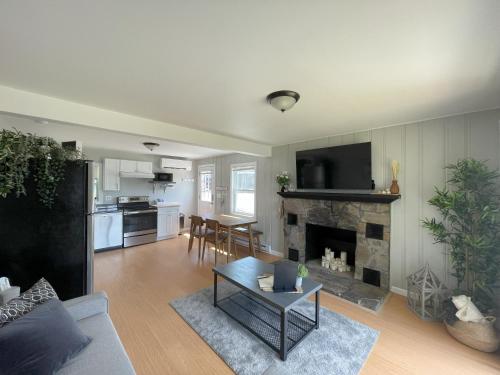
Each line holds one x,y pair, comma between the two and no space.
470,228
283,180
302,272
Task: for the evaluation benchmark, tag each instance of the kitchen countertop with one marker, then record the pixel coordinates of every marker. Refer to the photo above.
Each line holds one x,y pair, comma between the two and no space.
166,204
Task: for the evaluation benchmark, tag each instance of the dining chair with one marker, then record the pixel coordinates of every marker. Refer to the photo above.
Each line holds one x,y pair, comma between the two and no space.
196,231
214,235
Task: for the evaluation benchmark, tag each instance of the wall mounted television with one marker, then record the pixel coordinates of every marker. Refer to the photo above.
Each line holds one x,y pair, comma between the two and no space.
347,167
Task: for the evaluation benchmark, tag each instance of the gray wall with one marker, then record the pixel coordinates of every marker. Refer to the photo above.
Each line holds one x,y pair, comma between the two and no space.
182,192
423,149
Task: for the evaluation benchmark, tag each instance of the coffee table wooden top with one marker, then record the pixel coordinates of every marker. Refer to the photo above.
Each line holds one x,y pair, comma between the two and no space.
230,221
244,272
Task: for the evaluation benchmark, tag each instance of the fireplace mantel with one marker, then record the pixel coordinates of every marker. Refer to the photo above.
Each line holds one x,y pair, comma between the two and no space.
344,197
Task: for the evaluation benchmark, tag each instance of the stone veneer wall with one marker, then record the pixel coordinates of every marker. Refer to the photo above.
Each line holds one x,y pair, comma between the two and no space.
370,253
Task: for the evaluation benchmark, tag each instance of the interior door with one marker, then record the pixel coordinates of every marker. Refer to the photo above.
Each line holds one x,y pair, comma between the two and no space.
206,187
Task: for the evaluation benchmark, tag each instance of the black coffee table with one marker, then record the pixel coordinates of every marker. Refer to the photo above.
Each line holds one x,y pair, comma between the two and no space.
267,315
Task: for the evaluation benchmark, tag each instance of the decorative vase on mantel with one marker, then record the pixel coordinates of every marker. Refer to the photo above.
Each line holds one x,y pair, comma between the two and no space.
394,187
395,171
283,188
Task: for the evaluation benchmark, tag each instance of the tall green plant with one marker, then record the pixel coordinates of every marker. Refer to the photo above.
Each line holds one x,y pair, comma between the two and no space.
22,154
470,227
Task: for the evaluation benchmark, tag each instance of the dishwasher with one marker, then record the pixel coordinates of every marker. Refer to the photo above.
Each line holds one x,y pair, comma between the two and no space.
108,229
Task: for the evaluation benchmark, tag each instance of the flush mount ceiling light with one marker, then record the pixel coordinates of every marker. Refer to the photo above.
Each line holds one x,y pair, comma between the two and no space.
151,145
283,100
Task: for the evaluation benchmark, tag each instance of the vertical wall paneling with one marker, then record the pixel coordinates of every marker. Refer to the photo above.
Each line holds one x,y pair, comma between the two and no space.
378,158
423,150
433,175
393,150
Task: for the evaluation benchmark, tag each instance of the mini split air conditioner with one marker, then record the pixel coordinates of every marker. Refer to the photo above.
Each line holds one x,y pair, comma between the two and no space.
168,163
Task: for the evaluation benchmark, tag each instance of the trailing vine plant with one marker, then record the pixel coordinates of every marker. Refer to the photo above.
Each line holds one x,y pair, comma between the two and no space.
42,157
470,227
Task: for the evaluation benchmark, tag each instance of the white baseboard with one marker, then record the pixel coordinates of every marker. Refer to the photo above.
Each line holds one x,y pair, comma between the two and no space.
401,292
267,249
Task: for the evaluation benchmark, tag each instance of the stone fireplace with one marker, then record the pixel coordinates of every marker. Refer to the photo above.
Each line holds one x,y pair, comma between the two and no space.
362,229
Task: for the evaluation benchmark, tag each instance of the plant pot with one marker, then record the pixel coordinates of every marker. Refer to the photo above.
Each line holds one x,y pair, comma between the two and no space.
298,282
480,336
283,189
394,187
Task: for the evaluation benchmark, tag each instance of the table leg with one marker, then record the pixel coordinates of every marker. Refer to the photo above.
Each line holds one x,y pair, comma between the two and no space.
250,240
215,289
284,335
317,309
228,243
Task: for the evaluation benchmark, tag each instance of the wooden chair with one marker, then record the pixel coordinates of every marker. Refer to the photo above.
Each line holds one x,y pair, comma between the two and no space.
243,234
215,236
196,231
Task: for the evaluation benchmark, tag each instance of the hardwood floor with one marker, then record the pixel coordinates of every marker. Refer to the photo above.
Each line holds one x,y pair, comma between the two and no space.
140,282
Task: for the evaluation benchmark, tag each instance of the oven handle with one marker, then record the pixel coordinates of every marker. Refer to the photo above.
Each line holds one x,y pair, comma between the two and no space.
139,212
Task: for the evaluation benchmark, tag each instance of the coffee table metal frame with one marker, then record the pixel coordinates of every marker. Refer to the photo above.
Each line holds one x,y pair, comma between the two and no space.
280,327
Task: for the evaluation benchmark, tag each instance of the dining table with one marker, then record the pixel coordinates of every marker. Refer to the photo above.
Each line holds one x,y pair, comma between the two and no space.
229,223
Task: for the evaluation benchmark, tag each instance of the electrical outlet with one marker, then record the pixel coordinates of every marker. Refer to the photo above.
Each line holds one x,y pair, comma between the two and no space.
108,198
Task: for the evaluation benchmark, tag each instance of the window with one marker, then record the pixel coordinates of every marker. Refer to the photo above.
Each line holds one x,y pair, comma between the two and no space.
243,182
206,186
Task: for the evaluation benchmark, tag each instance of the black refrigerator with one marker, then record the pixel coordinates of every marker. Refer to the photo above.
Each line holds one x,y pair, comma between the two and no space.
54,243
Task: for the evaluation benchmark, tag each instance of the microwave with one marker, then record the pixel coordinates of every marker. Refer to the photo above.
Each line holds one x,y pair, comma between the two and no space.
164,177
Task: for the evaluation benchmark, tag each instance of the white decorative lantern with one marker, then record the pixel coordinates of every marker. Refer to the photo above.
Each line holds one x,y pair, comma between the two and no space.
426,294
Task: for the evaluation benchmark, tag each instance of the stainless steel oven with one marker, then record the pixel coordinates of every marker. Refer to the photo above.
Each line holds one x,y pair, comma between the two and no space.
139,221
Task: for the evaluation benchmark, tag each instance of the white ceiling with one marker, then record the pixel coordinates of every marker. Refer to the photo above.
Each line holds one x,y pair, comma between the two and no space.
209,64
103,139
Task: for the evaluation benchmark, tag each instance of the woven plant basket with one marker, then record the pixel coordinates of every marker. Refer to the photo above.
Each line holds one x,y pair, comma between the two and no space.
480,336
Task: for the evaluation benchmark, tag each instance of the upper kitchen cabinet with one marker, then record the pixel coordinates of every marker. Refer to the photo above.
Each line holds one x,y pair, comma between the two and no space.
136,169
144,167
111,175
128,166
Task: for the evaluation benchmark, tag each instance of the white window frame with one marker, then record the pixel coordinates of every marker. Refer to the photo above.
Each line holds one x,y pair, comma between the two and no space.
253,165
198,190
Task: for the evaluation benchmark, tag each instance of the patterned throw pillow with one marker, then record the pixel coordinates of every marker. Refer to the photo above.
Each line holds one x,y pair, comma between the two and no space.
39,293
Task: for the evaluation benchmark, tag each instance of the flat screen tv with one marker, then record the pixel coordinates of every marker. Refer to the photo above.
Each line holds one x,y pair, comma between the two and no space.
346,167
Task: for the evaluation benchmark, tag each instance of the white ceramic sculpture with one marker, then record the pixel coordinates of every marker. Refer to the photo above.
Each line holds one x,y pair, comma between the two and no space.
4,284
467,311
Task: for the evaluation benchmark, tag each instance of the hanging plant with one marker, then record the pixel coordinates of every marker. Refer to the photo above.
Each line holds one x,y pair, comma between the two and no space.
43,157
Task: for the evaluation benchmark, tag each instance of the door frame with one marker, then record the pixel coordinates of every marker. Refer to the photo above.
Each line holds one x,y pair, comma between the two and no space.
198,192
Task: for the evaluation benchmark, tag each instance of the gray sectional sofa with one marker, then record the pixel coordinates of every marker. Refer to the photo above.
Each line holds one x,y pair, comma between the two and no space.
105,354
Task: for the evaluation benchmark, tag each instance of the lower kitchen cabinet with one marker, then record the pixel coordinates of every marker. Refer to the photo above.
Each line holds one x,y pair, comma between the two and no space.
168,222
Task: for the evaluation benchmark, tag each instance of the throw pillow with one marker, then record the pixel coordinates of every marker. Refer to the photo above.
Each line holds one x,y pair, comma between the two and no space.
39,293
41,341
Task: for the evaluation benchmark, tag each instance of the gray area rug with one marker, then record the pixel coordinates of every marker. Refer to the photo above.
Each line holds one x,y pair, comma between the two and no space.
339,346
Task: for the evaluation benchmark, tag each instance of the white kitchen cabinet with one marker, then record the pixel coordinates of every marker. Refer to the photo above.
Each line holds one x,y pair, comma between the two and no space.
144,167
111,175
108,230
132,166
128,166
168,222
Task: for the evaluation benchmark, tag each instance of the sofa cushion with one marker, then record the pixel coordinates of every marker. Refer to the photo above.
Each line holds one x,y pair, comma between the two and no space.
39,293
41,341
104,355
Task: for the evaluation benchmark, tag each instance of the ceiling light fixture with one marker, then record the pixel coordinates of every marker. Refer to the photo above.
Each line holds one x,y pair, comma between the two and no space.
151,145
283,100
